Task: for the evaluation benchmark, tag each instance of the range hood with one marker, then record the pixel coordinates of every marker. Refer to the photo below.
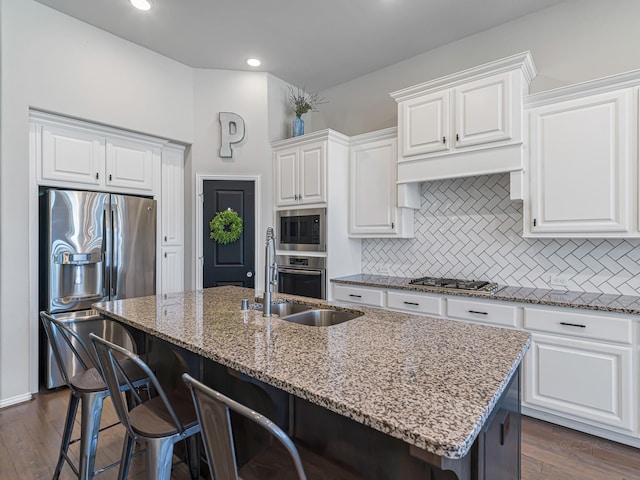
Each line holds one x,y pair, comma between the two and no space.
465,124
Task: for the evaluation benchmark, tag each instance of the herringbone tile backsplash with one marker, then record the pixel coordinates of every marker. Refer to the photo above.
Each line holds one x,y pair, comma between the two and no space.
469,228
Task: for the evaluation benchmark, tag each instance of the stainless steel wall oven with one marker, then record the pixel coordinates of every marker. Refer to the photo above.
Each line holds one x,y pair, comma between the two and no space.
302,230
302,275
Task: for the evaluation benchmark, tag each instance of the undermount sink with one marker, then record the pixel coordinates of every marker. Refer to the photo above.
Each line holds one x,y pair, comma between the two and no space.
304,314
321,317
282,309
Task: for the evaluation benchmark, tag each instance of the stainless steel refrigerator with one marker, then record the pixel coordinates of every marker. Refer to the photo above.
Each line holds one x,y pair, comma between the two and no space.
93,247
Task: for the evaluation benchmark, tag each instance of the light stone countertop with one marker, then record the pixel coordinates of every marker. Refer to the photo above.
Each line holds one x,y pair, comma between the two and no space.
430,382
629,304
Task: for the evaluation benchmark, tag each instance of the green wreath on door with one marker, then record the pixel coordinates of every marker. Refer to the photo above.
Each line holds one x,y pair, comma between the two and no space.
226,227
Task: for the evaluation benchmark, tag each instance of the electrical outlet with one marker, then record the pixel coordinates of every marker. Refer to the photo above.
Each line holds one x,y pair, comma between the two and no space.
558,280
383,270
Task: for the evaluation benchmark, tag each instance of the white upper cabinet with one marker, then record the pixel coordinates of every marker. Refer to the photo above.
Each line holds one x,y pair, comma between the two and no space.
312,173
172,196
300,173
582,175
373,195
72,154
425,124
468,123
67,154
484,111
129,164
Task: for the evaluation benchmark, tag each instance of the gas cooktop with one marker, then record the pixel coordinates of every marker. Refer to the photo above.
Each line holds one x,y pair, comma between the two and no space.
479,286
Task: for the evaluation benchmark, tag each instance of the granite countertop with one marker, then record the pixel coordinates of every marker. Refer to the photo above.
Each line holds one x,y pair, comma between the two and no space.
560,298
429,382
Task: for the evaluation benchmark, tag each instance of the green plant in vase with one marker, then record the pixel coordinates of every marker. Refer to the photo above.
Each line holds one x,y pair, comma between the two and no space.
302,103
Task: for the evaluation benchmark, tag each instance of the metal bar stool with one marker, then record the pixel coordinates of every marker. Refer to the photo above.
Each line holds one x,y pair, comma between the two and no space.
87,388
157,423
273,463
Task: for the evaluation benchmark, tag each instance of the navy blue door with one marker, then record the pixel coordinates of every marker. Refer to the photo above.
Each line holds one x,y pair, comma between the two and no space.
234,263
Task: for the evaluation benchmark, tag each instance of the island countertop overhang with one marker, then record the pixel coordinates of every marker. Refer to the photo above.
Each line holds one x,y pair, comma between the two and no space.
430,382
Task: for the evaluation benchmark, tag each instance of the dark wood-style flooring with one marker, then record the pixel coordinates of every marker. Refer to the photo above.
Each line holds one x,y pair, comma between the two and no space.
30,439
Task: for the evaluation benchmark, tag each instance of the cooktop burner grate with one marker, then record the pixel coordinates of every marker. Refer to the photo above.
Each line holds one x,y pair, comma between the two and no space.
456,284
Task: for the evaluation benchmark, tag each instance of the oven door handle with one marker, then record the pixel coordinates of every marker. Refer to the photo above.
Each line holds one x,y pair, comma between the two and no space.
300,271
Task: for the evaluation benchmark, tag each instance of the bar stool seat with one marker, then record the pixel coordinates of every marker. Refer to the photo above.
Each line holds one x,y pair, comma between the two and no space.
151,418
91,380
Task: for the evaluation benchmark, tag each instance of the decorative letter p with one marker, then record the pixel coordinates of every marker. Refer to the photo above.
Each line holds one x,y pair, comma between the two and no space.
232,126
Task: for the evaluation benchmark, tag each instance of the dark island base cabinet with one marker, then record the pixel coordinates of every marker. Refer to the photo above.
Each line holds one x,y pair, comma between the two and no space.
497,448
495,455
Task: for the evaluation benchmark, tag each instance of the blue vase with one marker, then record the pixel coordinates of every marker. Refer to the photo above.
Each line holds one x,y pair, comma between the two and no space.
298,126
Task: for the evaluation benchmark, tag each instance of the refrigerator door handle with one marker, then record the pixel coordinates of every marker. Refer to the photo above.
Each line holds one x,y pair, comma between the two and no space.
106,260
114,253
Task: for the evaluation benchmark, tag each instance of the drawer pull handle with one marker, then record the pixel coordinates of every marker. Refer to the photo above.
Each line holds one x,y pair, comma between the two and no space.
479,313
412,303
356,296
567,324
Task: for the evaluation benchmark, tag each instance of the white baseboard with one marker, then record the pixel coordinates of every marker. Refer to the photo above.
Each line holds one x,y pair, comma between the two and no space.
7,402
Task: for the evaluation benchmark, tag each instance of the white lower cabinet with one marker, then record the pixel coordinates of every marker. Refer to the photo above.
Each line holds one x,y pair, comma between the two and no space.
495,313
171,269
585,380
363,295
580,367
415,302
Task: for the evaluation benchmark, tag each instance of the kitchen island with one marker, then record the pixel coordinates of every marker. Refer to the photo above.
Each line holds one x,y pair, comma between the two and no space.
427,385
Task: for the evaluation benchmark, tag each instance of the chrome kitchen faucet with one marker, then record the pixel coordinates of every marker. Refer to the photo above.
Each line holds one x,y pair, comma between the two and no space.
270,271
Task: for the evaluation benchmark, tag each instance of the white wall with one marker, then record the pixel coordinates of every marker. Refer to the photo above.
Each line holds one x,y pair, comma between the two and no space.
257,98
574,41
53,62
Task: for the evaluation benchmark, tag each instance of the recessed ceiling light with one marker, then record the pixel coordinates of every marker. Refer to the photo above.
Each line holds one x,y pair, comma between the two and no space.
253,62
141,4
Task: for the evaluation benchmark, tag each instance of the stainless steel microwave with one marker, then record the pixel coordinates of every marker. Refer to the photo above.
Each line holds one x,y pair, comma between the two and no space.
302,230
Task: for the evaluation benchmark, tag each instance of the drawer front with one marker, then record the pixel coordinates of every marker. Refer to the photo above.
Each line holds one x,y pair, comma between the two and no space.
359,295
598,327
482,312
411,302
583,379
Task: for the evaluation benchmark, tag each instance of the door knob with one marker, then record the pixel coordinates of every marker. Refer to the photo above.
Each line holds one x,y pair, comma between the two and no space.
249,274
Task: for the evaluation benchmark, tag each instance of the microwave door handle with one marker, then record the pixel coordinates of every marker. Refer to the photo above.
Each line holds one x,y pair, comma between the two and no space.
299,272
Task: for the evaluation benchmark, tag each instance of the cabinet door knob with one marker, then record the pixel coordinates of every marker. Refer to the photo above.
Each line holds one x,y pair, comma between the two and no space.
165,254
109,177
165,238
97,175
444,139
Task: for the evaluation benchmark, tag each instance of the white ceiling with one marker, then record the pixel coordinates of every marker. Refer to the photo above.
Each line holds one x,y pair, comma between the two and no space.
315,44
